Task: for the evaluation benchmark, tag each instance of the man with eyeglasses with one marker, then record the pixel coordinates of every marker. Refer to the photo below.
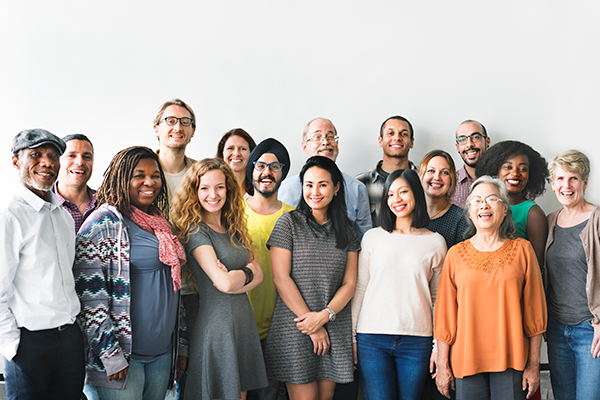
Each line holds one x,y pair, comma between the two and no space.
396,138
320,138
174,125
471,142
267,167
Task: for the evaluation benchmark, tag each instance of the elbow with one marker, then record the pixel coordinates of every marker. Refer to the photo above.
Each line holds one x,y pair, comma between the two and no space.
259,277
224,286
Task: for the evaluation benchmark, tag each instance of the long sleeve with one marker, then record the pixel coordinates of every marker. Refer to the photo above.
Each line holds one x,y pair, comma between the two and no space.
363,220
9,332
102,284
534,311
446,307
364,259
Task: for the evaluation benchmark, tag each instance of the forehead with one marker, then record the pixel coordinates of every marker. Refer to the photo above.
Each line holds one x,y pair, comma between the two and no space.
79,146
317,174
268,158
519,159
485,189
147,164
396,124
176,111
468,128
45,148
236,140
399,183
212,176
438,162
320,126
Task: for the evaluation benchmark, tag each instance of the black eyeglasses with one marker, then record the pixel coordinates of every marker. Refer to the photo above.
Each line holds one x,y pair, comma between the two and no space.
274,166
475,138
184,121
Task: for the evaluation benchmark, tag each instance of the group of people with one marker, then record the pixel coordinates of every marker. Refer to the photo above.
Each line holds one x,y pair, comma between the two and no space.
419,281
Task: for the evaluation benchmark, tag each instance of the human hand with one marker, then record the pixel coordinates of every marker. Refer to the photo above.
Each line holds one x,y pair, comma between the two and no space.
596,341
355,354
182,363
433,364
119,375
531,379
311,322
222,266
444,380
320,341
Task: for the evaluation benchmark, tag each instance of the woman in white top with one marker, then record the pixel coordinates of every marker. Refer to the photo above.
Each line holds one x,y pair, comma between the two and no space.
392,310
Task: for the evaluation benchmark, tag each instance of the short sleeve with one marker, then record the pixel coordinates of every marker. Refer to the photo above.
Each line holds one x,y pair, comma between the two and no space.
353,243
281,236
198,237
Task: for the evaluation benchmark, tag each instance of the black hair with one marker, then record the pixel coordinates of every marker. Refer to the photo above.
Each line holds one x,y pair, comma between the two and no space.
387,218
78,136
492,159
337,208
399,118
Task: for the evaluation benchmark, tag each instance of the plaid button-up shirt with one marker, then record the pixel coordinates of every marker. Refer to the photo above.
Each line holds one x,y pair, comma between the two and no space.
74,210
463,184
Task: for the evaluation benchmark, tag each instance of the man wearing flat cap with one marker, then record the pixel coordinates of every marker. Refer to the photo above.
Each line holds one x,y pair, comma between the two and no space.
39,339
267,167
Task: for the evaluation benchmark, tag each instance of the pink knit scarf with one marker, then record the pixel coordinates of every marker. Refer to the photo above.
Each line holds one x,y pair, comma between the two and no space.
170,251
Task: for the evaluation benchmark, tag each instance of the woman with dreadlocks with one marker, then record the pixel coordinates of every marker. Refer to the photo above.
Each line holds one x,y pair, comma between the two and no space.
127,274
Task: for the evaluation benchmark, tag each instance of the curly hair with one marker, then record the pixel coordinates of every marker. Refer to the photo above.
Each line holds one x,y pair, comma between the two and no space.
251,145
492,159
114,189
187,212
440,153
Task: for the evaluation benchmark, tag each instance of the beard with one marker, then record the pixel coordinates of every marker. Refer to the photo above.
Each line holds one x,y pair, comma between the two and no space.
266,193
29,181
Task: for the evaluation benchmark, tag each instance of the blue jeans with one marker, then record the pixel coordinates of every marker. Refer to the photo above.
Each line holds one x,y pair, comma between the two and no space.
574,373
393,366
146,379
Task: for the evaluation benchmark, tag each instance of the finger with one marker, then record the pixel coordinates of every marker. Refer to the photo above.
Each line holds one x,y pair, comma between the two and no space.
431,366
452,385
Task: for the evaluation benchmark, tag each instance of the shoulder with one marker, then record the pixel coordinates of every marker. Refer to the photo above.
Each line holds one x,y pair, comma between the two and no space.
286,208
355,187
366,177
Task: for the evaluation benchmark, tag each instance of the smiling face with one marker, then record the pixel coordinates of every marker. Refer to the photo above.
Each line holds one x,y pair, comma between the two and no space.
325,148
487,216
145,184
568,187
76,163
38,168
318,189
471,151
401,199
266,182
212,191
436,179
395,139
236,153
176,136
514,172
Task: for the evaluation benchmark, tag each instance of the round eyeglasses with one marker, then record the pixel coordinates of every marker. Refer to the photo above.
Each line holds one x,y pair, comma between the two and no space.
184,121
475,138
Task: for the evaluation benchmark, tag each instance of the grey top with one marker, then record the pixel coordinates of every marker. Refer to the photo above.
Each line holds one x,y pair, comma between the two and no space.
451,225
317,270
225,351
153,301
567,274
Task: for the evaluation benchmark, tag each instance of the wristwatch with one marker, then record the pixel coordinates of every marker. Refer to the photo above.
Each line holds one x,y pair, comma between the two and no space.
331,314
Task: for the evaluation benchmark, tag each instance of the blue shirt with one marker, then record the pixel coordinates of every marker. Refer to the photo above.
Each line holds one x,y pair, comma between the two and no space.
357,200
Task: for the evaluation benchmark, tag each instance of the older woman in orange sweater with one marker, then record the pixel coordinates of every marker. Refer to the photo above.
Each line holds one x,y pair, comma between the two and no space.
487,339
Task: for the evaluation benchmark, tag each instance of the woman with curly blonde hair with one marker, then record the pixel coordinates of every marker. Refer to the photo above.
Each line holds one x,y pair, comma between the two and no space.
208,216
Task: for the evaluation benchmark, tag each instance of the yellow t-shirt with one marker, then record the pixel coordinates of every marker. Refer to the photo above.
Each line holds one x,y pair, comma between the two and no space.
262,298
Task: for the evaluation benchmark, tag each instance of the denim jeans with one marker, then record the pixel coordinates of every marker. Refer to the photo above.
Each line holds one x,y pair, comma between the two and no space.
574,373
393,367
146,379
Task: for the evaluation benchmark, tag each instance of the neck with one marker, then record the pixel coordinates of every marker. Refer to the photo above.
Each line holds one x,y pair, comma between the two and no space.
404,224
516,198
470,171
320,216
264,205
75,194
172,160
436,206
240,177
488,240
575,210
213,220
391,164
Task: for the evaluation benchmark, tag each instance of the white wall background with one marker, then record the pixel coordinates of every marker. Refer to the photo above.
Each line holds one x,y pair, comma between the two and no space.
527,69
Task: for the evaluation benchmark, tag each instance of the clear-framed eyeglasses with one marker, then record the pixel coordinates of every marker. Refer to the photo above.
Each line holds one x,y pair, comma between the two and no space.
184,121
274,166
491,200
475,138
317,139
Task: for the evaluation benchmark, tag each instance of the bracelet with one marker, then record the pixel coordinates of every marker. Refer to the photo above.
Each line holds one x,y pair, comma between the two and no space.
249,275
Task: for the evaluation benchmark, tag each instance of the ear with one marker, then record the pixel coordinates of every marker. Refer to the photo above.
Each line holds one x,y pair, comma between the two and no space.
156,133
487,142
380,141
412,142
304,147
16,162
337,188
585,182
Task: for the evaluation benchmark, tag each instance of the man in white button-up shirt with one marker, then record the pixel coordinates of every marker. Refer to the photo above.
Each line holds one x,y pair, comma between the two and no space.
39,339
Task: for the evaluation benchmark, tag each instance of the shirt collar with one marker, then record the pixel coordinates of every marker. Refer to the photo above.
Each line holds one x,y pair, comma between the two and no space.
91,194
36,202
462,175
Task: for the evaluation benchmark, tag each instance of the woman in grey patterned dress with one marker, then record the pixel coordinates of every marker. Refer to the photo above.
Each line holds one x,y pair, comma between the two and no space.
208,213
314,258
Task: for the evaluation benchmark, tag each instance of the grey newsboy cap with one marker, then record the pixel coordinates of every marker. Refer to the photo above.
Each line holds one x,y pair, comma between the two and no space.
31,138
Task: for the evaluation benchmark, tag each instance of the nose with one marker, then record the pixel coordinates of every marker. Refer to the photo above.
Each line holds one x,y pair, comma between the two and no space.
47,161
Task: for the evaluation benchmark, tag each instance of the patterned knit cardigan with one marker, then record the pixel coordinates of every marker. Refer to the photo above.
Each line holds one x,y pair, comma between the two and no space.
102,283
